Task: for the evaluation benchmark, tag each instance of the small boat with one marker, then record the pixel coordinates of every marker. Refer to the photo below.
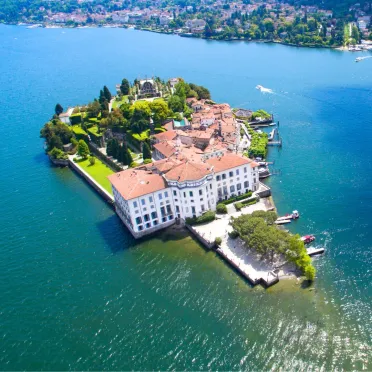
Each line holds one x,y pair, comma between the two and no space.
312,251
282,222
293,216
259,87
308,238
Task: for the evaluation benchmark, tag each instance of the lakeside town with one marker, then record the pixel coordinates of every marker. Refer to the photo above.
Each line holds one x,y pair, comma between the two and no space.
270,21
165,155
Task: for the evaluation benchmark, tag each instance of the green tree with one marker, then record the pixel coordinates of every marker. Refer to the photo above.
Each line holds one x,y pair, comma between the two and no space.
159,110
92,160
124,87
208,32
112,147
146,151
83,149
54,142
58,109
107,93
57,154
93,109
355,34
310,272
175,104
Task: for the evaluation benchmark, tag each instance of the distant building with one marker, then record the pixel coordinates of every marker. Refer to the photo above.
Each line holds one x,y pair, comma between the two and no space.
65,116
195,25
148,89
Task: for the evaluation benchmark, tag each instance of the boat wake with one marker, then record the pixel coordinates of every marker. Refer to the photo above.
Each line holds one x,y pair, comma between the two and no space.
264,90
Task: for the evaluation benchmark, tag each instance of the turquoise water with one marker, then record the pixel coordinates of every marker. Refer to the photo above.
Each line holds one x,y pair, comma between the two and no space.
79,293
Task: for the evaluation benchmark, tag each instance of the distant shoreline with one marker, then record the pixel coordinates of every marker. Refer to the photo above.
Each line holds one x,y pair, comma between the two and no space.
195,36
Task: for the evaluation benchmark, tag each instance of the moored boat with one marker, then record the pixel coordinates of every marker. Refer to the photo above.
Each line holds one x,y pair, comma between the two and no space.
308,238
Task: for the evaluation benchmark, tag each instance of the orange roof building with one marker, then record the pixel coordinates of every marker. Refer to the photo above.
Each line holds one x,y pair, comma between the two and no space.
195,168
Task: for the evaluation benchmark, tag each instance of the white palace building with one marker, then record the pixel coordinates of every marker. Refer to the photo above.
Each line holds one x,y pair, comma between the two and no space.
192,170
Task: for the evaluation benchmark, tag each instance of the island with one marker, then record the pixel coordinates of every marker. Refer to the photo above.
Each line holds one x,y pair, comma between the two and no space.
164,154
312,24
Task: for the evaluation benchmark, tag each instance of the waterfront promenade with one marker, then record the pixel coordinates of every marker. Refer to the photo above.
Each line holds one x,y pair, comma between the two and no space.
246,262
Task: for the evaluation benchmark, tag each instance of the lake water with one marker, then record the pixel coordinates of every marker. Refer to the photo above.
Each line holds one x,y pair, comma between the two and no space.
77,292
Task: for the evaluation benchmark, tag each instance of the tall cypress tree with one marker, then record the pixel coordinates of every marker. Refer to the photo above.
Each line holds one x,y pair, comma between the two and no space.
58,109
107,93
146,151
124,87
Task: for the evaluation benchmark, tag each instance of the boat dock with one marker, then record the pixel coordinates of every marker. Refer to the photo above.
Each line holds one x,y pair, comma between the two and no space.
275,143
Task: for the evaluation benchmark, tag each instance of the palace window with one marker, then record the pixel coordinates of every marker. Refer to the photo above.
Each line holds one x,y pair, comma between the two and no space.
143,202
138,220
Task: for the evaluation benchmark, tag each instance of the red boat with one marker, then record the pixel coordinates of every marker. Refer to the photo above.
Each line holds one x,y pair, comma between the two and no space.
308,239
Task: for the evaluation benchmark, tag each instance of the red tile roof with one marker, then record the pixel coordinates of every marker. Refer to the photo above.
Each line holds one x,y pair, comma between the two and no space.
133,183
227,161
165,148
188,171
166,136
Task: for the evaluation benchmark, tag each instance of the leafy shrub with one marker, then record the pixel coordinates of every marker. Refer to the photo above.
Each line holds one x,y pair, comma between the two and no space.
261,114
92,160
218,241
147,161
221,208
134,164
160,130
238,206
57,154
310,272
75,119
236,198
259,141
233,234
204,218
74,141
